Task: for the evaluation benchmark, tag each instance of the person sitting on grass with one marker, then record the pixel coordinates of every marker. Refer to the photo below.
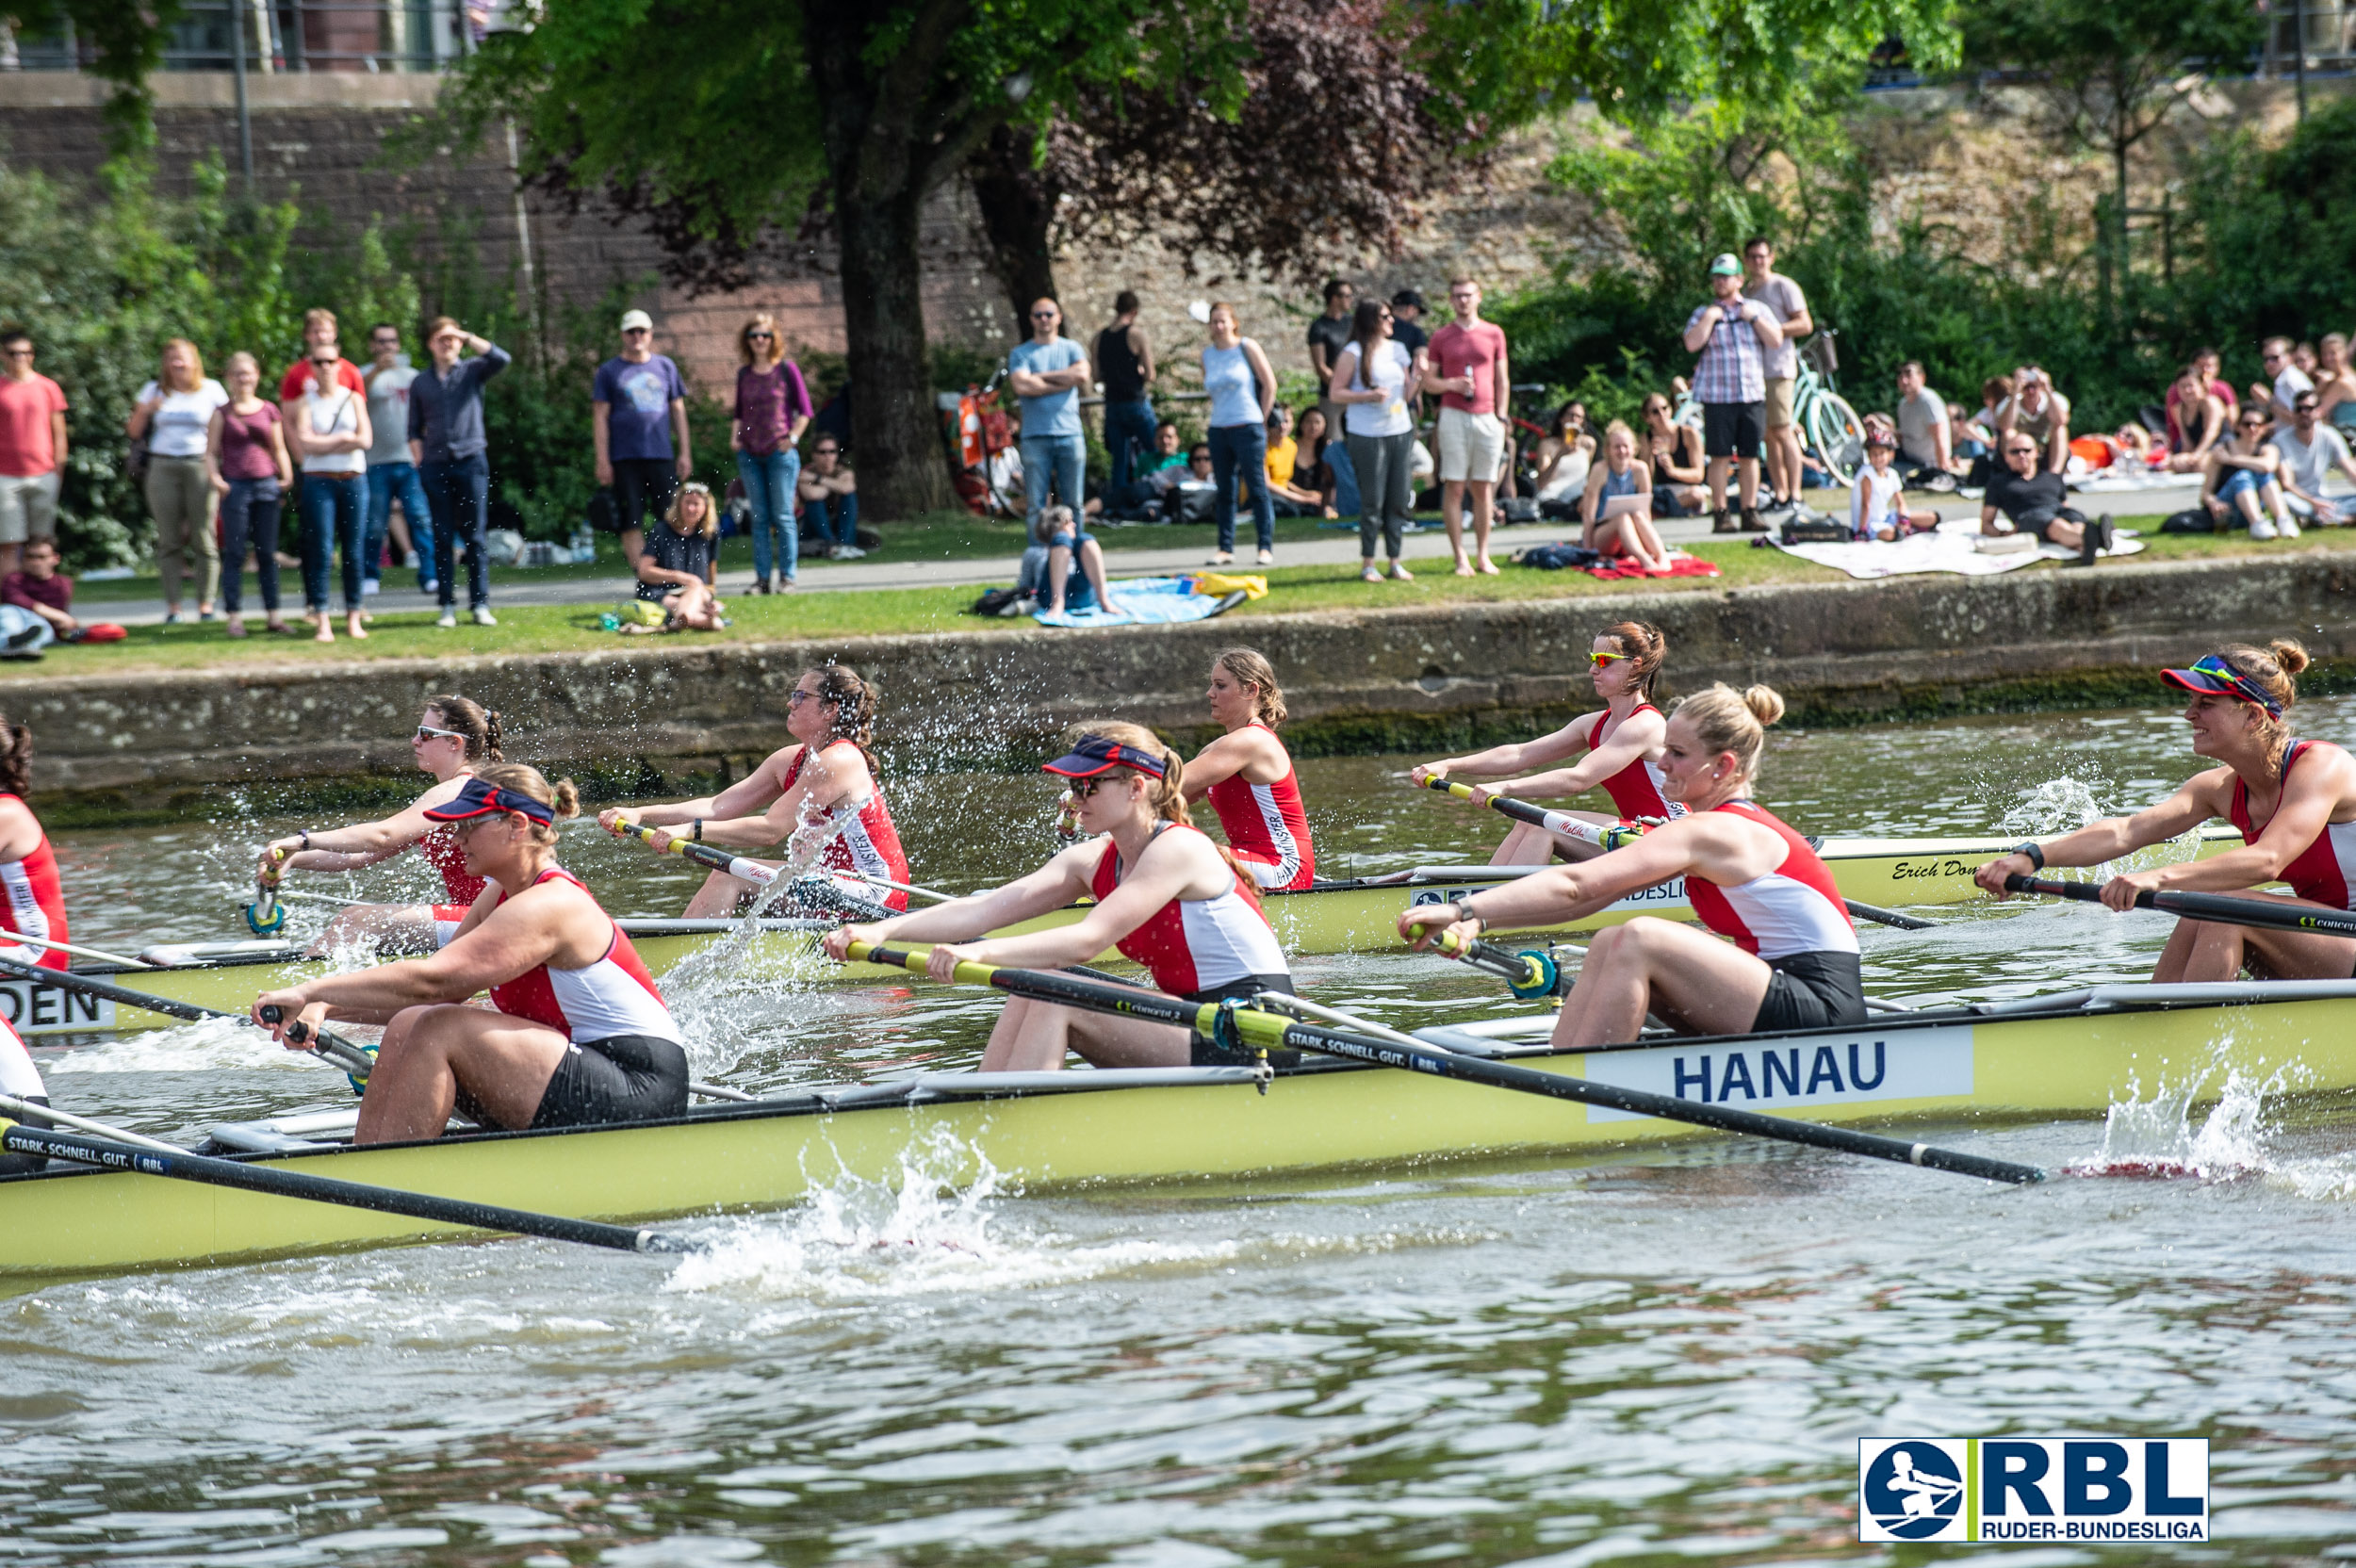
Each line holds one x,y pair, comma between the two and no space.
676,569
1065,542
1291,499
2196,419
2241,479
1877,501
829,495
1154,475
2035,501
42,590
1616,506
1679,471
2310,451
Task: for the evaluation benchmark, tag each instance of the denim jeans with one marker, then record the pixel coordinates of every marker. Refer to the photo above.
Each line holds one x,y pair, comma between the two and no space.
249,517
334,517
1128,431
2241,480
769,488
1057,461
398,482
1241,451
1347,500
834,520
460,493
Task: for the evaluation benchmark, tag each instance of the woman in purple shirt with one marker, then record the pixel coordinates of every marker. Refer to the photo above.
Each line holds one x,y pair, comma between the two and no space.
246,459
772,408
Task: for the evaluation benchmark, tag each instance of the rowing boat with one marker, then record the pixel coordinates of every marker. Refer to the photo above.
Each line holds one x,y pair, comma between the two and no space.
2067,1055
1358,915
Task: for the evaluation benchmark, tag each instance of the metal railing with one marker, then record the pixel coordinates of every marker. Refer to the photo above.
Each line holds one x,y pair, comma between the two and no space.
271,37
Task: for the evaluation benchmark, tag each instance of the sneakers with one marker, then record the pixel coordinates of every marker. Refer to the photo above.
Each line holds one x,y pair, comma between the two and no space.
847,553
27,637
449,619
2288,529
1267,558
2094,540
2261,528
482,615
370,587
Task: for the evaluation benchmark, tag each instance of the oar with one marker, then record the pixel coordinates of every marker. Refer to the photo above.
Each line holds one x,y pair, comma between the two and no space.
263,917
1253,1030
21,1108
1528,974
753,872
1615,836
2271,914
9,939
150,1159
909,888
345,1054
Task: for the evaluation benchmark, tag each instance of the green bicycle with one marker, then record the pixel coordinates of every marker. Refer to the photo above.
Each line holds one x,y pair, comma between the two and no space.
1830,429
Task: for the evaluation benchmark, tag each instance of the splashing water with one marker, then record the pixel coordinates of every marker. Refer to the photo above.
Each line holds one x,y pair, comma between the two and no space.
2235,1139
207,1046
2056,805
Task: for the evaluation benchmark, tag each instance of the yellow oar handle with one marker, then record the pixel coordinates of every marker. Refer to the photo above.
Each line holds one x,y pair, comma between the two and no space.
1249,1025
644,835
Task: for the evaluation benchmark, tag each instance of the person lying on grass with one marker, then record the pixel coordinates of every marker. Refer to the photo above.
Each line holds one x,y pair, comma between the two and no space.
676,569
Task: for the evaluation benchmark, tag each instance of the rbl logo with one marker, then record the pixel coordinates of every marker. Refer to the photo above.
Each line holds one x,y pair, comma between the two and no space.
2063,1489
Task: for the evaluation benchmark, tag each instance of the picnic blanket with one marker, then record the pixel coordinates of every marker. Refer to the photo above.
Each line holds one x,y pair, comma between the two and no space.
1949,548
1680,565
1162,600
2122,477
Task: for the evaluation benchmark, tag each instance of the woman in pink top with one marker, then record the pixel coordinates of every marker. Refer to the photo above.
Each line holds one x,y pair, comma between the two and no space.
245,457
772,408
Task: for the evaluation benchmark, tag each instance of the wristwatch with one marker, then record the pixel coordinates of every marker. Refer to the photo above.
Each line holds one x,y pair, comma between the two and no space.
699,834
2030,848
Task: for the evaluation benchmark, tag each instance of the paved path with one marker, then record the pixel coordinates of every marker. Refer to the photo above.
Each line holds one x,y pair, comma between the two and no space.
1336,548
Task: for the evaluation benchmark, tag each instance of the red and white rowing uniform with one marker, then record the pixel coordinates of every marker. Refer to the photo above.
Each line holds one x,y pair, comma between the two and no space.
1795,908
441,851
1266,828
1635,790
1194,945
2324,870
18,1075
610,997
869,843
35,904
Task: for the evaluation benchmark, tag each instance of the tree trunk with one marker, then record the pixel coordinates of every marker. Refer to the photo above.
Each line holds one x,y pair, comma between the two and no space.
1018,205
895,430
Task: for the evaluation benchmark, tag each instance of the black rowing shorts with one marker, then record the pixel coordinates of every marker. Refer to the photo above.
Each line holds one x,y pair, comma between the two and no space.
1205,1051
627,1078
1811,990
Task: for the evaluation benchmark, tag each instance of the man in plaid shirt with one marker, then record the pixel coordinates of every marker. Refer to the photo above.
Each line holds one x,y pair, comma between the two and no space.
1732,334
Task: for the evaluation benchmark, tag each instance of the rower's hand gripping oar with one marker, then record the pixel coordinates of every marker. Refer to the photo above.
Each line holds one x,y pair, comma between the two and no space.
2267,913
713,856
1256,1032
1620,834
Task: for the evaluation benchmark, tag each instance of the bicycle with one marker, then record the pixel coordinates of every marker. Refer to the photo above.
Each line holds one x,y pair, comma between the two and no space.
1829,428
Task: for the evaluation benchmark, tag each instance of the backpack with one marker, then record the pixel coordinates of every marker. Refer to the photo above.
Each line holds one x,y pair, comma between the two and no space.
1554,558
1814,530
2193,520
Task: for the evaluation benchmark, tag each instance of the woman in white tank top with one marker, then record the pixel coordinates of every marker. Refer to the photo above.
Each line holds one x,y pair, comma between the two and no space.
331,437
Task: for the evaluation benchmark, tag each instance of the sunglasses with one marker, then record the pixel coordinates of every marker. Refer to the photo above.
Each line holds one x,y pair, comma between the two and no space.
1084,789
798,697
1606,658
758,336
1043,315
426,732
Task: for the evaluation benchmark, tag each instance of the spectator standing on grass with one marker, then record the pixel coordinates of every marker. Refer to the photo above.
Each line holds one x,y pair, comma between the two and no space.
2243,477
2289,380
448,444
1047,370
1781,366
2310,451
638,420
1732,334
170,419
32,448
2197,419
1407,328
1124,362
773,408
248,465
329,437
2035,501
320,347
392,473
830,496
2040,411
1242,388
1474,384
1329,334
1924,433
1373,381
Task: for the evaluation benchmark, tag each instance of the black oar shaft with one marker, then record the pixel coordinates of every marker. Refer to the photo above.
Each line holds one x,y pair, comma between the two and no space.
20,1139
2272,914
346,1055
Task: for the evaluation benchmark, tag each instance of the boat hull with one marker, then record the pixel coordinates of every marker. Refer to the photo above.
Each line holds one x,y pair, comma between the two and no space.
1950,1068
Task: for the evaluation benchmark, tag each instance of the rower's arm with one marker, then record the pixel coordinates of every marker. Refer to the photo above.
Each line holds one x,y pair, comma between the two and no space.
1173,866
516,937
2099,843
20,830
2309,798
333,849
1052,886
823,786
1628,745
1512,757
1569,892
1222,760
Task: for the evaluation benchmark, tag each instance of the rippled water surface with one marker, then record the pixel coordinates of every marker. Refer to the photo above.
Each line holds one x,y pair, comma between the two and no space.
1649,1358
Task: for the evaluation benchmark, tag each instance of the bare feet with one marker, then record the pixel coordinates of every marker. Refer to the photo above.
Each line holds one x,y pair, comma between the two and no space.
352,626
327,630
1488,567
236,626
1463,566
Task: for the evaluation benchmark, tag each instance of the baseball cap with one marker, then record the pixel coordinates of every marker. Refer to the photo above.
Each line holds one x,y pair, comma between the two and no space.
1407,299
1094,755
636,319
1726,266
479,799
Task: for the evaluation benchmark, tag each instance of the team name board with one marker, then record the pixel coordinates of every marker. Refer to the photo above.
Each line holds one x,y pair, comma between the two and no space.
2032,1489
1659,896
1805,1071
34,1008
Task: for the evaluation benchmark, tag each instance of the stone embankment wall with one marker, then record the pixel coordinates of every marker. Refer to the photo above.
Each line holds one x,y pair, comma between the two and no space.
1397,679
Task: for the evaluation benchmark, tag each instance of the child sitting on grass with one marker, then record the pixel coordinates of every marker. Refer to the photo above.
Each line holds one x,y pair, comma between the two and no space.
1877,501
676,569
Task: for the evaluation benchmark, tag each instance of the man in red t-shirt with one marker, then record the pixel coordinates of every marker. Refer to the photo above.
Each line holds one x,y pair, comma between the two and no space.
318,332
32,448
1476,388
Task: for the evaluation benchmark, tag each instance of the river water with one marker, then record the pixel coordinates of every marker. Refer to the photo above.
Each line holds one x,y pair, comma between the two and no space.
1665,1356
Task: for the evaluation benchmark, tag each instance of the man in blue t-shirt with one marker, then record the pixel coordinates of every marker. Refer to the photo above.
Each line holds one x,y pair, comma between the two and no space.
637,408
1047,371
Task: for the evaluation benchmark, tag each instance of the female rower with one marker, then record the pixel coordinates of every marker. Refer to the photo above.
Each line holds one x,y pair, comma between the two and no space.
454,738
817,796
576,1035
1793,963
20,1079
2295,802
1249,774
1165,895
1622,744
34,906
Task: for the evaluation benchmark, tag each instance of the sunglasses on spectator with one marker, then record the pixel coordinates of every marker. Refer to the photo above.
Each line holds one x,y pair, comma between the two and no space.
2255,422
1043,315
828,451
758,336
25,353
2019,452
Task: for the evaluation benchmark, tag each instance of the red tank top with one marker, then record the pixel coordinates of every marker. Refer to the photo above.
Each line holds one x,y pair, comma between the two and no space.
869,844
1195,946
613,996
35,904
1635,790
1793,909
1266,826
2324,870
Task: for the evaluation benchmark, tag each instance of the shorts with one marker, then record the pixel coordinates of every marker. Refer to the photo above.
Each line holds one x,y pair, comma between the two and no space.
643,487
1203,1052
1472,447
1780,401
625,1078
1811,990
1071,540
2039,522
29,507
1732,429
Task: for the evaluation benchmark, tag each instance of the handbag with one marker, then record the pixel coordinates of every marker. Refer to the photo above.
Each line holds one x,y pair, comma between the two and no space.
1519,509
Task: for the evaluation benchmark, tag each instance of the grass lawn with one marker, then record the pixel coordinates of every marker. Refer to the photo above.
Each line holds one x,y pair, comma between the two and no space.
560,629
